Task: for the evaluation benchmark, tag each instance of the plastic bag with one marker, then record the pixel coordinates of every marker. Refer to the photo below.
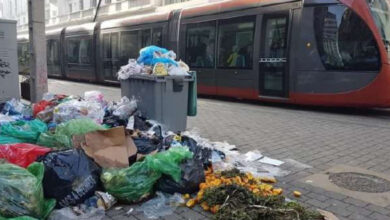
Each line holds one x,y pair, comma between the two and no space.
147,145
177,71
125,108
201,153
13,107
153,54
68,214
161,206
22,154
70,177
6,119
94,96
132,68
136,182
19,218
22,131
192,175
75,109
40,106
62,138
22,193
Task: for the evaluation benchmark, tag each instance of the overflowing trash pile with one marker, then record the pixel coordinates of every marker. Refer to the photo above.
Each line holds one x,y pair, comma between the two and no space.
70,157
156,61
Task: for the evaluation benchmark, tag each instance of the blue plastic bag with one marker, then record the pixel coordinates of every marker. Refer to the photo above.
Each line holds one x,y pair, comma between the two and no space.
147,56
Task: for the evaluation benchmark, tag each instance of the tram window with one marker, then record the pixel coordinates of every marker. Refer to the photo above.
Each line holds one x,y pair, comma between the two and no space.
52,52
200,46
157,37
344,41
73,50
79,51
85,51
129,45
114,45
146,39
236,43
106,46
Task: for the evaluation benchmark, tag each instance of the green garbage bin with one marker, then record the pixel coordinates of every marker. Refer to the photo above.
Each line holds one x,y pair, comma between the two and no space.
161,98
193,96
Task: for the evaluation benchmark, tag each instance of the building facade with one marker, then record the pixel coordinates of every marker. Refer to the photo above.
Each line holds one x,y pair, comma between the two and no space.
61,13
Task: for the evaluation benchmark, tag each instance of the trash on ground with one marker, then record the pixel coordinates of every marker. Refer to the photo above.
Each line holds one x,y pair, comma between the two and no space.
136,183
192,174
86,213
162,205
76,137
110,148
22,154
236,195
105,200
70,177
22,131
22,193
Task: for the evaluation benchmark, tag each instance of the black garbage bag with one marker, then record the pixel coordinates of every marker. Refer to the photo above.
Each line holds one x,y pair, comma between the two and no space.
140,123
114,121
146,145
70,177
201,153
192,174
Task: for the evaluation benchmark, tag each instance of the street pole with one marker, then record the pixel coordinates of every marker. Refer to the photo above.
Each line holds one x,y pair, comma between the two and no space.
38,63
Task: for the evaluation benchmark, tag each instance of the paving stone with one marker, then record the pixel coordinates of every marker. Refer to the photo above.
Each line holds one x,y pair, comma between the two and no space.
355,202
317,203
378,209
379,216
339,211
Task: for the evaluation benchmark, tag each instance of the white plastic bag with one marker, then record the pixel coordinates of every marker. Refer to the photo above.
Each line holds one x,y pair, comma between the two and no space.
125,108
132,68
177,71
162,205
75,109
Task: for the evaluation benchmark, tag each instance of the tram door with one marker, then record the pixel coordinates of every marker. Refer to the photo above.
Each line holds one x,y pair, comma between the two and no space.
273,56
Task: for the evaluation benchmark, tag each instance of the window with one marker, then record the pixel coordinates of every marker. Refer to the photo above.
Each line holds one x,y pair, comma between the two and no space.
200,45
236,43
79,51
81,5
73,50
380,10
106,46
93,3
53,52
344,41
70,8
107,1
115,45
157,37
146,39
129,46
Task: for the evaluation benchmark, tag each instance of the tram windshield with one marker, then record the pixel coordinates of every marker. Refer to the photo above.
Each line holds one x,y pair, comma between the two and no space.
380,10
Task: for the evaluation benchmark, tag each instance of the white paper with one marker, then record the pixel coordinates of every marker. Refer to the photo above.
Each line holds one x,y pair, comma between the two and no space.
271,161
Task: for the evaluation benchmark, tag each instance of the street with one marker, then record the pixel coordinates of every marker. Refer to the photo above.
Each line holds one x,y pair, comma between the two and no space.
316,138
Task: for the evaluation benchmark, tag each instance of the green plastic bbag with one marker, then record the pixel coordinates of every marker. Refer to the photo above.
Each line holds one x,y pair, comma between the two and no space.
22,131
62,138
135,183
19,218
22,192
193,96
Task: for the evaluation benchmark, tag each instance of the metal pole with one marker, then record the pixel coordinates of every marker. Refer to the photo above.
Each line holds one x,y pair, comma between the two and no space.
38,63
97,11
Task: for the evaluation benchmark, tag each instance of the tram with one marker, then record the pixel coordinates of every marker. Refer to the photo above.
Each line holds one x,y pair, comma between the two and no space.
311,52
